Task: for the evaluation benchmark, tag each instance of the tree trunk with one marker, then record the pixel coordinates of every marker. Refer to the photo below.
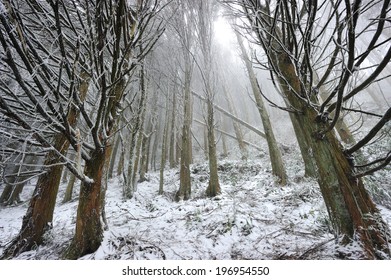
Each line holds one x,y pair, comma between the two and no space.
305,149
214,185
237,129
11,194
278,167
6,194
178,147
129,187
184,191
136,163
65,174
163,156
69,189
88,235
15,196
144,157
121,161
172,132
114,157
224,143
351,210
155,148
206,154
140,136
39,215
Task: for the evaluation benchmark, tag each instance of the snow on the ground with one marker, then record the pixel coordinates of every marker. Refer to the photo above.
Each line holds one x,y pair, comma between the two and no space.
253,218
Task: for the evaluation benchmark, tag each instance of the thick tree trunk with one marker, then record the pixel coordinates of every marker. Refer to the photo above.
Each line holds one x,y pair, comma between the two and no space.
184,191
40,212
351,210
39,215
88,235
305,148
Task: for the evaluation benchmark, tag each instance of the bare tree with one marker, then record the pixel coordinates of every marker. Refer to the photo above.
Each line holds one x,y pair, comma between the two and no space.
93,52
47,88
292,35
182,28
278,167
205,14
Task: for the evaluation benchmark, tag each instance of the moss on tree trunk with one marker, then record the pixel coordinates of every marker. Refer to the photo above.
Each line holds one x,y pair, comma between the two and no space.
351,210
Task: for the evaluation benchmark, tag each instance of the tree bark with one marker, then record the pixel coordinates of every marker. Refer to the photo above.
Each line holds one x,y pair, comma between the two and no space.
184,191
163,156
278,168
237,129
305,148
140,135
39,215
114,156
89,232
173,132
129,187
69,189
121,161
145,146
214,184
351,210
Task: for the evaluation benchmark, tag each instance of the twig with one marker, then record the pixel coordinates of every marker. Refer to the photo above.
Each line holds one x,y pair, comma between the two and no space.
314,248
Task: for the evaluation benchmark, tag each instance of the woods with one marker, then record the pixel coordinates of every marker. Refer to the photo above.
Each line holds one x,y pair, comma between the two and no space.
97,91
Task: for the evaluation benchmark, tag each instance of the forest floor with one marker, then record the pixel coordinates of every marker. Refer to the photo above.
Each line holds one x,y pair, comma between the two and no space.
253,218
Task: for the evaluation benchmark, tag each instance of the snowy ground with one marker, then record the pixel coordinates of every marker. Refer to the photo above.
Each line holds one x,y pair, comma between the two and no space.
252,219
